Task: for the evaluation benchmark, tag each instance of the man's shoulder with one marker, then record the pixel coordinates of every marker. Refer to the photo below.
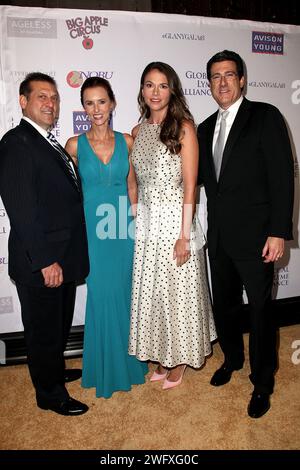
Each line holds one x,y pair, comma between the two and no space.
23,133
261,106
16,131
208,121
11,135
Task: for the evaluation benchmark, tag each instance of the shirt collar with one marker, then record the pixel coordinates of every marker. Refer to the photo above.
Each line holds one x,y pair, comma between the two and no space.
40,129
234,107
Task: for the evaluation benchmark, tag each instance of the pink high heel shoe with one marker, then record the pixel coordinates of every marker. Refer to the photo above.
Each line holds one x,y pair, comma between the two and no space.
155,377
168,384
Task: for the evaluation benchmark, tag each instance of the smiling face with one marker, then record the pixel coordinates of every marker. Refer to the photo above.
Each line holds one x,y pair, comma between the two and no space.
42,104
156,92
97,105
226,86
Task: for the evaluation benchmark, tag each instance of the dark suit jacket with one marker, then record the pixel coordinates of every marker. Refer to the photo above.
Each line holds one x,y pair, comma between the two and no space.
44,207
253,198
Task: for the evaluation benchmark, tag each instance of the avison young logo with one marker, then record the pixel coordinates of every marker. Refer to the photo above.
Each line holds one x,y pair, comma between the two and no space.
75,78
85,27
267,43
81,122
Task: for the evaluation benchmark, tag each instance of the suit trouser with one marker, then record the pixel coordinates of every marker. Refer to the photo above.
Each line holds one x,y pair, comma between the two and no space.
47,317
228,277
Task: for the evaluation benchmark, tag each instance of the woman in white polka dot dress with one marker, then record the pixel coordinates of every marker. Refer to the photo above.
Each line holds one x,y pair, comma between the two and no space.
171,316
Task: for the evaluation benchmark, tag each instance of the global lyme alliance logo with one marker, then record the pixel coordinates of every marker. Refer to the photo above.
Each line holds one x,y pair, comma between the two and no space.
2,224
3,264
198,84
267,43
83,28
281,277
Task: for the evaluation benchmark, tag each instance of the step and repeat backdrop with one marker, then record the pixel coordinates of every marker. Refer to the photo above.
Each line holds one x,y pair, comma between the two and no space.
71,45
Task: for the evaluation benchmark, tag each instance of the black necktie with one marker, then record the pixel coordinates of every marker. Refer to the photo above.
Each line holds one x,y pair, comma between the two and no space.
59,148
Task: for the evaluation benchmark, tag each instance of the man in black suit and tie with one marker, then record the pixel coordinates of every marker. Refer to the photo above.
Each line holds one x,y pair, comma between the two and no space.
47,244
246,166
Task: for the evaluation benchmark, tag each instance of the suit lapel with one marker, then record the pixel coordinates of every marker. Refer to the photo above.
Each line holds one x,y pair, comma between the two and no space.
51,151
236,128
210,136
65,167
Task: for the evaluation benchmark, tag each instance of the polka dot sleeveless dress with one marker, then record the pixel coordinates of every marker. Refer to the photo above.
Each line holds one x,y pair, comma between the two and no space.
171,315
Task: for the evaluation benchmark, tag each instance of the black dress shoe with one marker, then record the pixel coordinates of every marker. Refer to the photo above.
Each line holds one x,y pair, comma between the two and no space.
69,407
259,404
222,376
72,374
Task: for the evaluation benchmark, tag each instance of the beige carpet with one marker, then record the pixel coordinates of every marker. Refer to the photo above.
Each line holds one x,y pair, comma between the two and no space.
194,416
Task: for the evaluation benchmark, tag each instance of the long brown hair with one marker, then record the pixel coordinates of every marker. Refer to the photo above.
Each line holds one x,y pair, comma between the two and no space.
178,111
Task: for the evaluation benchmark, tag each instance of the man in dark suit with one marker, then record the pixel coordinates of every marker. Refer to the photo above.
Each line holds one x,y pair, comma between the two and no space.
246,166
47,244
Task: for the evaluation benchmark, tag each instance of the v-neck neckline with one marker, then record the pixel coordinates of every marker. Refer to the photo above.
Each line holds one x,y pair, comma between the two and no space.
94,153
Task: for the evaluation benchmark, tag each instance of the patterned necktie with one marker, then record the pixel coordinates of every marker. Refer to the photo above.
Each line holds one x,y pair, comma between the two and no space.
66,160
219,146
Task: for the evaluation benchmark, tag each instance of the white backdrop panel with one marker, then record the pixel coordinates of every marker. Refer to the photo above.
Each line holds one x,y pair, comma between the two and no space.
71,45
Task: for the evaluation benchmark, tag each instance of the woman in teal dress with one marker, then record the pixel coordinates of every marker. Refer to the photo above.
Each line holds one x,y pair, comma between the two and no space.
109,191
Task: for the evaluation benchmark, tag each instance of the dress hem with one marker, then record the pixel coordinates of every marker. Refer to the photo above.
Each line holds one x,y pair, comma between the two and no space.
114,391
164,364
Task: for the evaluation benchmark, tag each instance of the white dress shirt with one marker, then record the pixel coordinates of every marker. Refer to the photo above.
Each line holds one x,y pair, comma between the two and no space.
232,110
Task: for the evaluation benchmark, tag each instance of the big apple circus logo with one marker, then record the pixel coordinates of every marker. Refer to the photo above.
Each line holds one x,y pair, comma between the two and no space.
84,27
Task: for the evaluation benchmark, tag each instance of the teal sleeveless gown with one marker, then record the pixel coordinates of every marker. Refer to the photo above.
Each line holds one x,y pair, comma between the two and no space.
107,365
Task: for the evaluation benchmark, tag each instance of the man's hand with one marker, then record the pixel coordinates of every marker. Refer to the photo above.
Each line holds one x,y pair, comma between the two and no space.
53,275
273,249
